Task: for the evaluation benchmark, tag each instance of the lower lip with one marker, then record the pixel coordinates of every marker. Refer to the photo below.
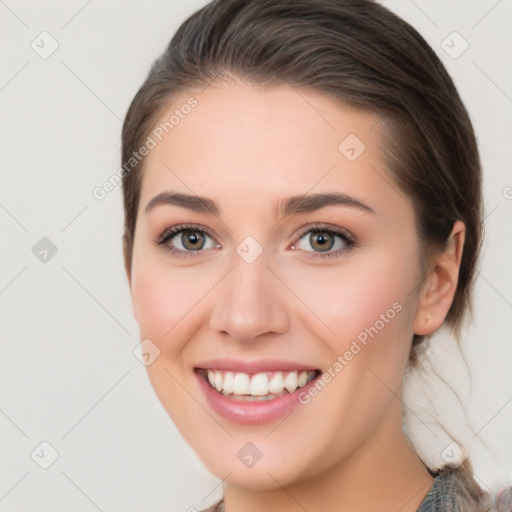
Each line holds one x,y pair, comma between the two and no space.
251,412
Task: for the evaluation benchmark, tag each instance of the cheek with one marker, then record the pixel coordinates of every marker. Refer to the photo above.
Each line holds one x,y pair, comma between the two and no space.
166,302
368,304
361,293
167,305
154,302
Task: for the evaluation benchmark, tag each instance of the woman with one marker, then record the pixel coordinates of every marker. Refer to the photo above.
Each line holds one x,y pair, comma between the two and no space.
302,210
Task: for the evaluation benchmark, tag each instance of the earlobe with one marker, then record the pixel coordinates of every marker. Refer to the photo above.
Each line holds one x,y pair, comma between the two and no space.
438,289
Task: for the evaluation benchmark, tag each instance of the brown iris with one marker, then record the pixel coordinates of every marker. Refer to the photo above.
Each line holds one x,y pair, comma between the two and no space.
322,240
192,240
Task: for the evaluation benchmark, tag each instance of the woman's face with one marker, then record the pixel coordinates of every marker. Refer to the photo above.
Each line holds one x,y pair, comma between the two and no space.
301,261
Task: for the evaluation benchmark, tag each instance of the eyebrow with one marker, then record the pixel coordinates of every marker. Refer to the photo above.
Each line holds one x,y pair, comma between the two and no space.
190,202
312,202
293,205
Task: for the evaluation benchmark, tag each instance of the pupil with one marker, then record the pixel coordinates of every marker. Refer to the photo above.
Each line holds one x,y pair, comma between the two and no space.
323,241
192,240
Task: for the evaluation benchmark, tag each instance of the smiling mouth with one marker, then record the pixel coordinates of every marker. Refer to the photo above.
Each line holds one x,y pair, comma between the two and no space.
257,386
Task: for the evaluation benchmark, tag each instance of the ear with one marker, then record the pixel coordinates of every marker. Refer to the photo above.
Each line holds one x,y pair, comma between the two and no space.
438,289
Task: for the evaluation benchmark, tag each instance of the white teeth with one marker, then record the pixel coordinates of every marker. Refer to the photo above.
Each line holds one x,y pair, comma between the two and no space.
218,381
290,382
259,384
276,384
302,379
227,386
241,384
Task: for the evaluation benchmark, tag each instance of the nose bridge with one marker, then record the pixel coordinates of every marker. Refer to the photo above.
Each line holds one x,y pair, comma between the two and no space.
246,306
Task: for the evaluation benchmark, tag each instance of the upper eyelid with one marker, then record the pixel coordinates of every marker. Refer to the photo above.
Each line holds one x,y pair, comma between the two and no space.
323,226
172,231
337,230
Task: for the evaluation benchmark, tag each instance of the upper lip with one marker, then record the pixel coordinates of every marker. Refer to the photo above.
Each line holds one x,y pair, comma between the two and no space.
256,366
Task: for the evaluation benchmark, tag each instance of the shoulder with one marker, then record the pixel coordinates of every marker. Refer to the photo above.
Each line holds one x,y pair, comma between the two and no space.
451,492
503,502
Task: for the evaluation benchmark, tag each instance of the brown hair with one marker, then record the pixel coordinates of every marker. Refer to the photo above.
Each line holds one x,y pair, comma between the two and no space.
360,53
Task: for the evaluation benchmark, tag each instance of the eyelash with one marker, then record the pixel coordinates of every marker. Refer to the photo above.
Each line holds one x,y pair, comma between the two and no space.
345,236
170,233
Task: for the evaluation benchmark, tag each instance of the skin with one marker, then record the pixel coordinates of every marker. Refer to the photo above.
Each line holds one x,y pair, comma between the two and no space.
247,149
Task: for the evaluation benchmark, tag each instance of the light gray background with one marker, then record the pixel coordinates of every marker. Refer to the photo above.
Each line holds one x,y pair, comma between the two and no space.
68,375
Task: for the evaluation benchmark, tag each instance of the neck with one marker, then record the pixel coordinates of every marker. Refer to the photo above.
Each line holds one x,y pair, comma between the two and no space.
384,473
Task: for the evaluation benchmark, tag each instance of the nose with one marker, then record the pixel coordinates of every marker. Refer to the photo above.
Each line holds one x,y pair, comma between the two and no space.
248,303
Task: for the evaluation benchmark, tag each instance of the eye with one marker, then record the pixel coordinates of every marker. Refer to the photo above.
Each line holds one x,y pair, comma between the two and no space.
325,242
181,240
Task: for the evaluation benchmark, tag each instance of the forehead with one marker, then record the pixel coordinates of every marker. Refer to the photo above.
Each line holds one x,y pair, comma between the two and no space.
243,143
